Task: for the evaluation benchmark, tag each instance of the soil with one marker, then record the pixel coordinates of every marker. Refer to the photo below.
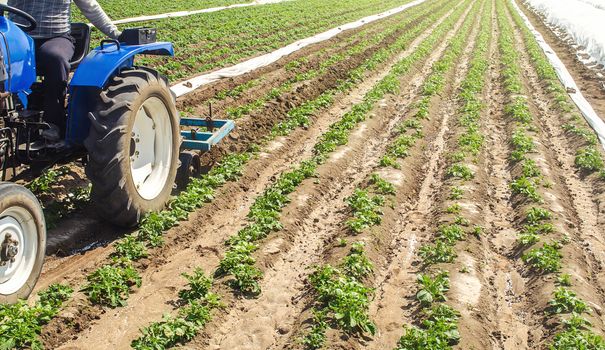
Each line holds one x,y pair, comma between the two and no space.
501,301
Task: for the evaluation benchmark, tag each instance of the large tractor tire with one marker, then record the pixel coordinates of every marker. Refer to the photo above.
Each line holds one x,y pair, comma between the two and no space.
133,146
22,242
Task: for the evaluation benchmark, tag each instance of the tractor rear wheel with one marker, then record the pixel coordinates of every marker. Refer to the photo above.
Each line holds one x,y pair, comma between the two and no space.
22,242
133,146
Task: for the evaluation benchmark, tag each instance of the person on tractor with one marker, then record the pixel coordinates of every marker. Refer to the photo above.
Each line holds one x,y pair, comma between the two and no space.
54,48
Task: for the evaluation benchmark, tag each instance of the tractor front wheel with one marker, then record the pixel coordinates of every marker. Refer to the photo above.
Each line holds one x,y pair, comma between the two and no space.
133,146
22,242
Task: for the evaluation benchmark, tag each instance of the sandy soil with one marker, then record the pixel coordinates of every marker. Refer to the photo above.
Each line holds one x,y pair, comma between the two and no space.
502,303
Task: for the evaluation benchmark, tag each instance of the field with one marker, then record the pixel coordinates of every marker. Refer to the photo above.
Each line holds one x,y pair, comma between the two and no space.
421,182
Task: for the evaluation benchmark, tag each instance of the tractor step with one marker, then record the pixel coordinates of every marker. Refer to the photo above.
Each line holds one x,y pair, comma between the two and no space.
213,131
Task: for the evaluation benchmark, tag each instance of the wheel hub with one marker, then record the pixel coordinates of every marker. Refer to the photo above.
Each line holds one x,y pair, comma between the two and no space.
9,249
18,248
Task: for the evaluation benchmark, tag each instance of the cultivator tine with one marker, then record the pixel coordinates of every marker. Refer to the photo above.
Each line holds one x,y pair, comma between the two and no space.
209,118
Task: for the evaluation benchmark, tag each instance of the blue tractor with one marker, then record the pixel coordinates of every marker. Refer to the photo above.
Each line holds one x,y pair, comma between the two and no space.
120,117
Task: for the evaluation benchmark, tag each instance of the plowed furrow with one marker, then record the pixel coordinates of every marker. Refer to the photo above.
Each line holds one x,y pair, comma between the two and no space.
505,282
322,207
412,222
584,194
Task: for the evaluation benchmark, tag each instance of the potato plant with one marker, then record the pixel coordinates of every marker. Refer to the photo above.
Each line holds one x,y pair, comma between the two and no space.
21,323
342,300
195,310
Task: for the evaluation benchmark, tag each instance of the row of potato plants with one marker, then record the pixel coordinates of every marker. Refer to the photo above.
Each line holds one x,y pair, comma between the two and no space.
298,65
265,212
527,184
576,331
111,284
21,323
328,63
367,203
588,158
438,327
194,310
227,37
117,9
245,273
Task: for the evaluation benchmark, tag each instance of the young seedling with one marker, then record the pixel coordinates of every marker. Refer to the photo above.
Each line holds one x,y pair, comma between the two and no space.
566,301
432,289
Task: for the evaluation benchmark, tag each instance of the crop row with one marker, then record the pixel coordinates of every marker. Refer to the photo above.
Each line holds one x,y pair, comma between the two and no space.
20,323
325,65
538,221
116,9
111,284
588,158
438,327
265,212
366,205
195,305
300,66
229,36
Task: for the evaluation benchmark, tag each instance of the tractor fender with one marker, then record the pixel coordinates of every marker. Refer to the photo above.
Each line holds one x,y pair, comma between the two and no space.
93,74
100,64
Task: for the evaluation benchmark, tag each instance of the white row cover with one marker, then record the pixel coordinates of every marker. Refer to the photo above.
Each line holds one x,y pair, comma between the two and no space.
190,85
574,91
582,20
194,12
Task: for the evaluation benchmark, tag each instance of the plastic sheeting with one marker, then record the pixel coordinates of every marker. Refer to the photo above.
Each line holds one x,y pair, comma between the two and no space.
600,4
190,85
587,111
190,13
582,20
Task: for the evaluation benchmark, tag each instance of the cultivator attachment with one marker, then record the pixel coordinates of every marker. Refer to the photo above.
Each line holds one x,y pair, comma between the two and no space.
204,133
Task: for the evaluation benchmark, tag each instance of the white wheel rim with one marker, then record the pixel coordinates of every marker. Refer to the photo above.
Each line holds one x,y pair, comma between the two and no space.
20,225
151,148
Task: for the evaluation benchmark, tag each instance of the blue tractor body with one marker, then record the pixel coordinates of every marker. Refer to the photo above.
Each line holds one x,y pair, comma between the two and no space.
19,69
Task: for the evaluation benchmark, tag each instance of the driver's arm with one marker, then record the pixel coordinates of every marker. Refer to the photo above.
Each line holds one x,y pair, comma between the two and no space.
95,14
